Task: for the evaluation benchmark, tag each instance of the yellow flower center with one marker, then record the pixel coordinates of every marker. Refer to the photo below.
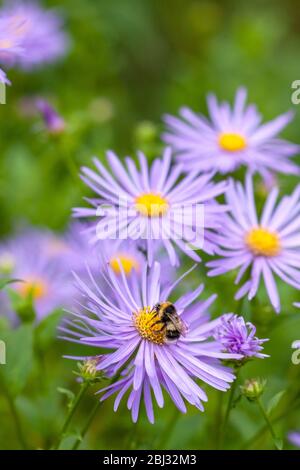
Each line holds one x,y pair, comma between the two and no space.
232,142
151,205
37,288
263,242
149,326
128,263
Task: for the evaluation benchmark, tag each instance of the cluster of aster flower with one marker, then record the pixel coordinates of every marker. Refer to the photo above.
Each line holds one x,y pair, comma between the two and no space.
29,36
156,341
143,219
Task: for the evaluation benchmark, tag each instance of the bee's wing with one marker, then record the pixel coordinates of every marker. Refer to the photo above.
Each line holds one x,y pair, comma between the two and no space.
183,327
179,324
173,319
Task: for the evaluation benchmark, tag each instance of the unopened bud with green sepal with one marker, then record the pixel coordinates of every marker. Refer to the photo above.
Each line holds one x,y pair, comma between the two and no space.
252,389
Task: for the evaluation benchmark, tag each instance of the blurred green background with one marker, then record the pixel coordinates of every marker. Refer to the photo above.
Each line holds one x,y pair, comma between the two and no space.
130,62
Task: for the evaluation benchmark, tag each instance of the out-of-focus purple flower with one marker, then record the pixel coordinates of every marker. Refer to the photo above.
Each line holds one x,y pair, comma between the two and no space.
296,344
130,254
238,336
154,205
3,78
125,320
30,36
108,252
265,246
294,438
10,42
46,276
121,252
54,123
232,137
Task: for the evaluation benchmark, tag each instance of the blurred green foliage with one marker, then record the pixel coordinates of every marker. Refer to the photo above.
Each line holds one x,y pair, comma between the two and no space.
130,62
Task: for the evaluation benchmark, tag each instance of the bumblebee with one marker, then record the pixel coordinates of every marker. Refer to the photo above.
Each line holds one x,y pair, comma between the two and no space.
171,322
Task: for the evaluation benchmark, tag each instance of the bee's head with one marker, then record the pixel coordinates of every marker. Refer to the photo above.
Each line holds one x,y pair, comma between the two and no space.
169,308
166,307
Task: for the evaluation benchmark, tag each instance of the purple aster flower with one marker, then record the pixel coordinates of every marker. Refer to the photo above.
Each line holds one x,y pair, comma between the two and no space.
294,438
33,257
232,137
3,78
238,336
112,252
124,252
10,43
31,36
75,250
265,246
129,253
153,204
53,121
127,322
82,253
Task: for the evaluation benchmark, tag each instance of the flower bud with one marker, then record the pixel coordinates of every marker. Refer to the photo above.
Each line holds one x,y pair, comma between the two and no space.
88,370
53,121
146,132
252,389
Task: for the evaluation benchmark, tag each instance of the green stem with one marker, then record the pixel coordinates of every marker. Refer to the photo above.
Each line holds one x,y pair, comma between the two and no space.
218,419
261,431
87,425
83,388
228,409
15,415
168,430
67,157
268,421
92,416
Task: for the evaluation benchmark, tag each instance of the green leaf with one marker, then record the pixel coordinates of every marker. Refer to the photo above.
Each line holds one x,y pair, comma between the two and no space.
278,443
22,306
69,394
4,324
46,331
69,440
274,401
19,358
6,281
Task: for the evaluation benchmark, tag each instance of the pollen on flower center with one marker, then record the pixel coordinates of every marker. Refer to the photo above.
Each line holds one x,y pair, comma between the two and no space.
232,142
263,242
151,204
128,263
148,325
37,288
